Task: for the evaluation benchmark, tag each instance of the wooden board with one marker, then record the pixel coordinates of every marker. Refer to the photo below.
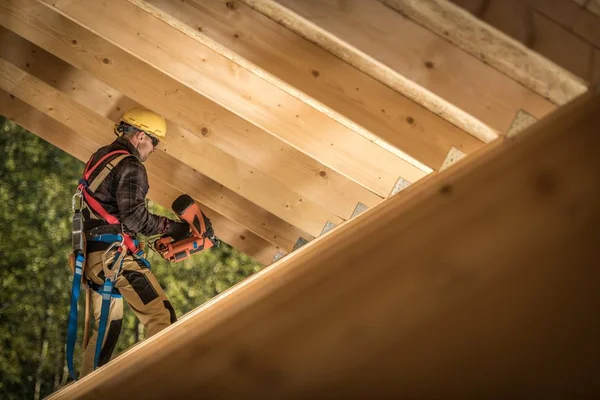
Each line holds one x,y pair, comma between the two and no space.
492,47
64,109
319,78
549,28
368,28
506,306
596,67
240,91
234,174
594,7
540,33
82,148
181,105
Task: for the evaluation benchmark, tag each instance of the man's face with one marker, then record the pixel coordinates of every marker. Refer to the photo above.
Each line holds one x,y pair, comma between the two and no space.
145,145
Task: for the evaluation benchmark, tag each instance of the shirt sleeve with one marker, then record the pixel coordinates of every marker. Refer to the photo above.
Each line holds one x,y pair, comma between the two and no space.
132,187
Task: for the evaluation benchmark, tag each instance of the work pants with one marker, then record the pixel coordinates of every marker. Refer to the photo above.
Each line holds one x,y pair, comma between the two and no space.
140,288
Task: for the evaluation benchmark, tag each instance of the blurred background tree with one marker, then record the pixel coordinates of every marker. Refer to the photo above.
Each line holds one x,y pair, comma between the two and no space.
37,181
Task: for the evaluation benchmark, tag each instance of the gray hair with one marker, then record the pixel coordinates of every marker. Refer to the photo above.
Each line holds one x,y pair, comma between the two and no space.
126,130
129,134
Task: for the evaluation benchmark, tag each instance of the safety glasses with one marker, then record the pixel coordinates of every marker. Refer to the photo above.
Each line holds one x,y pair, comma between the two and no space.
155,141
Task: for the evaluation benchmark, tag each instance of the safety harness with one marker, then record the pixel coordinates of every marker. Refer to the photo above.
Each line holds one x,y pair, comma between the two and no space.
121,242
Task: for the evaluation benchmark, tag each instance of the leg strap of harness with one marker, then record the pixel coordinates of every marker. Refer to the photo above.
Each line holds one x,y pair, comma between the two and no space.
107,294
72,327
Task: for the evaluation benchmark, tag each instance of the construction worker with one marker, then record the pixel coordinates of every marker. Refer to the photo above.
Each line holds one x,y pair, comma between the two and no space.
114,211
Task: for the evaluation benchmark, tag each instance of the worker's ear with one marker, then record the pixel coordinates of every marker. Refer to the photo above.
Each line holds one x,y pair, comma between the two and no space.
140,135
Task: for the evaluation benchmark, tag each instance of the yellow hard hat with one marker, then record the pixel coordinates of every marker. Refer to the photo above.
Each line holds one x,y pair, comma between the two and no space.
148,121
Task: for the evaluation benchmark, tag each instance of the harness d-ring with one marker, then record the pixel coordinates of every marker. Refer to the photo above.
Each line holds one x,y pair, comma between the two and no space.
120,245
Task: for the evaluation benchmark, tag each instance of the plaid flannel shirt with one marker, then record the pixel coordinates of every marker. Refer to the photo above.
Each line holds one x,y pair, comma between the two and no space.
123,192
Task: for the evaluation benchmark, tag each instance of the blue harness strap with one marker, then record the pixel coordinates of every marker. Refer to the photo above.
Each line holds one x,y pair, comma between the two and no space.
72,327
106,296
107,291
140,256
108,238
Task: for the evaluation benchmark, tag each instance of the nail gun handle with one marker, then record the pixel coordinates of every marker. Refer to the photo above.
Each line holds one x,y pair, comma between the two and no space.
187,209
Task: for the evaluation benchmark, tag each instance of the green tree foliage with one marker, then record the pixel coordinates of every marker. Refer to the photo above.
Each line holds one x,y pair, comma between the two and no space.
37,182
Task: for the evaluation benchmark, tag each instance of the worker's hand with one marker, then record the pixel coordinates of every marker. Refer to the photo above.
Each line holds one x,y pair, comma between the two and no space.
180,231
209,231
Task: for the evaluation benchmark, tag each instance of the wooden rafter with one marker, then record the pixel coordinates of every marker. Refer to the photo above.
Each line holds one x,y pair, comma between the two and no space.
401,53
214,76
180,105
493,47
191,150
318,77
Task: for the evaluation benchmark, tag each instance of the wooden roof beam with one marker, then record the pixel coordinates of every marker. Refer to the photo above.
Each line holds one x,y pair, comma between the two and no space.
262,190
62,107
413,60
317,77
493,47
161,192
490,311
214,76
189,110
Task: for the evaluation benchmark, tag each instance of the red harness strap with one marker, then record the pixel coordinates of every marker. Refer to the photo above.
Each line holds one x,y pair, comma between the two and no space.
96,206
89,171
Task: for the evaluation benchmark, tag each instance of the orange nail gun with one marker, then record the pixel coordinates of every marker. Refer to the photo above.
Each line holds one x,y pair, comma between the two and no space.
202,238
